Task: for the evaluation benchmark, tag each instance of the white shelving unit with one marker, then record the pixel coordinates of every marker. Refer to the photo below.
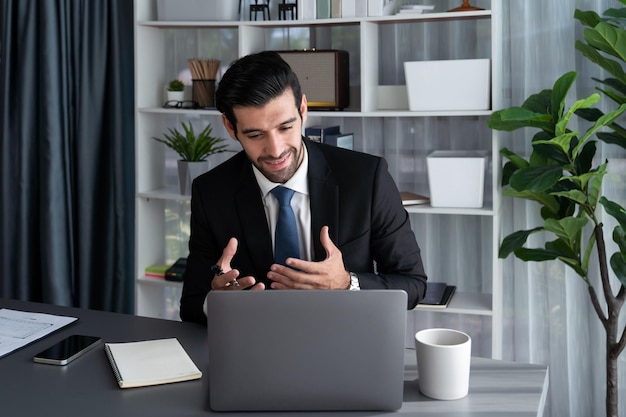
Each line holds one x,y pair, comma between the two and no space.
156,199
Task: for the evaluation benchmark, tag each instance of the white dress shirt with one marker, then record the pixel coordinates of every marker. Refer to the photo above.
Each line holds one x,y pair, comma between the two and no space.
300,203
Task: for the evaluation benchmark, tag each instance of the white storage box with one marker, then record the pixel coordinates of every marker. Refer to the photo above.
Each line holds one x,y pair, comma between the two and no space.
462,84
456,178
198,10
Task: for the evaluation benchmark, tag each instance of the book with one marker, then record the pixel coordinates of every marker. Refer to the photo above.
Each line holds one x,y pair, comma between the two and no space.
438,295
323,9
409,198
317,133
150,362
340,140
156,270
307,9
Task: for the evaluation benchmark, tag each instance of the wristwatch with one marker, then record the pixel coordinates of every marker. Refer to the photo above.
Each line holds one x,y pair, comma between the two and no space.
354,282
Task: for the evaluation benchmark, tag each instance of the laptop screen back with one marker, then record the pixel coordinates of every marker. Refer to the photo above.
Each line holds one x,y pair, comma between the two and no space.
306,350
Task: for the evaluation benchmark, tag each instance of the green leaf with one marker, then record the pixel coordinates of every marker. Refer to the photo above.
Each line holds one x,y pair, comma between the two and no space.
584,160
614,68
517,160
515,241
576,196
612,138
607,38
594,185
536,179
568,228
618,265
603,121
562,248
591,243
545,199
515,118
536,255
614,210
559,94
587,18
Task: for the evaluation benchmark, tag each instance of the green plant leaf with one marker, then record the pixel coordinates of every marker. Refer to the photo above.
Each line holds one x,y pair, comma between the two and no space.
517,160
562,248
536,179
545,199
559,94
517,117
587,18
594,185
603,121
614,210
557,148
584,160
535,255
569,228
576,196
607,38
591,243
612,138
611,66
618,265
515,241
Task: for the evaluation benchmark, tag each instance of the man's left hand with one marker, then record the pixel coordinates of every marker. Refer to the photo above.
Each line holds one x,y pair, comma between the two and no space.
329,274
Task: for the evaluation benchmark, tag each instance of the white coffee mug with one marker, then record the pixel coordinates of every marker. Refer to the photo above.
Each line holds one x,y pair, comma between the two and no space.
443,363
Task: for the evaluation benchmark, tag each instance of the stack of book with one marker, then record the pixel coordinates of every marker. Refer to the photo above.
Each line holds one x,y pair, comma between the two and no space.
156,270
438,295
330,135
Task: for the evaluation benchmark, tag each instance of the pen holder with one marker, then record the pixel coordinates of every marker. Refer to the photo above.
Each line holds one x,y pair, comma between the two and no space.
204,93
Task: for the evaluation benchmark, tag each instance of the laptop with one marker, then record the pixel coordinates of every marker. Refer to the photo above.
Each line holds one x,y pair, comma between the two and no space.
318,350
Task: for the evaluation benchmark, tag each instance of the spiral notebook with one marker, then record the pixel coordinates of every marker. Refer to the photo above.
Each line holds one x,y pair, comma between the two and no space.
150,362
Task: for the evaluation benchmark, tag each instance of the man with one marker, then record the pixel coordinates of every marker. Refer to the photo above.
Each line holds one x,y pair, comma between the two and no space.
353,232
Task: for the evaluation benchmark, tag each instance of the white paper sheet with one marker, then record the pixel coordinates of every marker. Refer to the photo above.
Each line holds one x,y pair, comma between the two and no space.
19,328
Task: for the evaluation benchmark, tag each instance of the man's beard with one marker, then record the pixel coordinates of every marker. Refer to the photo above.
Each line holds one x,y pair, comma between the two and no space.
286,173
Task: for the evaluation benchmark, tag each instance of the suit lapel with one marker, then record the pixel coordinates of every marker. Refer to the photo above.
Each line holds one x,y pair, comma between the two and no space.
323,192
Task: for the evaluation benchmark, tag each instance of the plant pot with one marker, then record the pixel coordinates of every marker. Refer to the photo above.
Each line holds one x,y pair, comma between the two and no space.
188,171
175,95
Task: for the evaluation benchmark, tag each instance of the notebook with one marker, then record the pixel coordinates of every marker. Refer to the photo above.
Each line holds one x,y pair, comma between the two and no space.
293,350
150,362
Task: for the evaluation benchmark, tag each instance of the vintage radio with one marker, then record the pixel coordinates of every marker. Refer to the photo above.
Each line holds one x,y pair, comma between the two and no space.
324,76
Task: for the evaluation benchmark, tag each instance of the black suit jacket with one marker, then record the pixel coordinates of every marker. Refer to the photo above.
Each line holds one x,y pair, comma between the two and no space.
351,192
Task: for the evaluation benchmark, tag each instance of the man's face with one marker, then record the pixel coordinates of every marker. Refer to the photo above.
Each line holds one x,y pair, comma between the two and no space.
271,135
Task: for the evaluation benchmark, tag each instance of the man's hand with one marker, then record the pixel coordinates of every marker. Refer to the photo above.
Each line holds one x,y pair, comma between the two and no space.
329,274
227,278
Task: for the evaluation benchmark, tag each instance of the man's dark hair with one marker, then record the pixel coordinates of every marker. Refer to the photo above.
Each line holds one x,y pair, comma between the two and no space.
253,81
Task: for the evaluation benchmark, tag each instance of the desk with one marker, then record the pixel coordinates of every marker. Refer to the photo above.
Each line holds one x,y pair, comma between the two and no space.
87,386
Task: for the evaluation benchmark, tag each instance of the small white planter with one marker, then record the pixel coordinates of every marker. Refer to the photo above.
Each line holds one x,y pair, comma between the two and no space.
175,95
461,84
456,178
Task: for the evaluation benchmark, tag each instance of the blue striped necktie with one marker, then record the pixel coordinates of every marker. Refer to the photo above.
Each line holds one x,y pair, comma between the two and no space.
286,243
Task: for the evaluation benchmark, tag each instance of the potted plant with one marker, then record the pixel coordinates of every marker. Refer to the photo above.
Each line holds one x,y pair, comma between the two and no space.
193,150
175,90
560,176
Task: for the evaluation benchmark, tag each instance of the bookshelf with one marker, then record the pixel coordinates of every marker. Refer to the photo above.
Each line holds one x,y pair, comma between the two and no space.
377,47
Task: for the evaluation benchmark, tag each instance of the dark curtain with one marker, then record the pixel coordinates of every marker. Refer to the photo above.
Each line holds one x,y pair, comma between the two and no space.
67,152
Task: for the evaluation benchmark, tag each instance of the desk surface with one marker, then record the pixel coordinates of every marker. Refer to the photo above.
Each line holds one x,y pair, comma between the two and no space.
87,386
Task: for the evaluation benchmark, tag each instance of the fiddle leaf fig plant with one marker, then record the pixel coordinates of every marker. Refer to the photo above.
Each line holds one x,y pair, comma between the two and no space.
563,177
191,147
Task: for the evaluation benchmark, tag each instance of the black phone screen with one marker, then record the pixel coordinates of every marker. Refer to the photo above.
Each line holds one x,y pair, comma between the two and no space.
67,350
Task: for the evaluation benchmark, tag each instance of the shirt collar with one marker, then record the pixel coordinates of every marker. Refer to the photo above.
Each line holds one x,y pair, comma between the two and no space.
297,183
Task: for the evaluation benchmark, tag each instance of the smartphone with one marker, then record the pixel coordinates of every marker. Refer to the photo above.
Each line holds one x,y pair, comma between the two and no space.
67,350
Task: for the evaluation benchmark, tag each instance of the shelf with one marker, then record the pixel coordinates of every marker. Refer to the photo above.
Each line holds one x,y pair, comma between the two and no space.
158,282
335,113
164,194
465,303
398,18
